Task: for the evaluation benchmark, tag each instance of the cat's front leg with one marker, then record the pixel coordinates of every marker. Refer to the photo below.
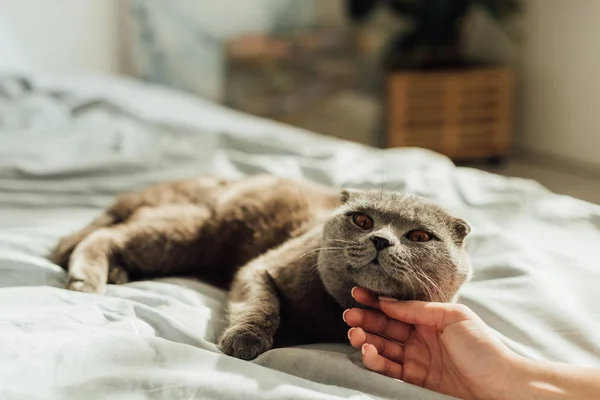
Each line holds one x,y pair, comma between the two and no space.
253,314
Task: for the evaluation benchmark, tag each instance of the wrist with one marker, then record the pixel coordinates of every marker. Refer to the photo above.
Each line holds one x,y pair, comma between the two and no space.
520,371
525,376
524,379
546,380
513,372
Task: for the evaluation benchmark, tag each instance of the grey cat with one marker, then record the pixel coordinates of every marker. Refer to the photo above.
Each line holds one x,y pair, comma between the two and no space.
288,251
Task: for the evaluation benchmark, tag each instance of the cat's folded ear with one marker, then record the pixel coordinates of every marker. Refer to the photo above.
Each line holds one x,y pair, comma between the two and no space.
460,230
346,195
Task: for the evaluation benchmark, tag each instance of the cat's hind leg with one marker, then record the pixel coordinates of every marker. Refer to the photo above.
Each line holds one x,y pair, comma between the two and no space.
90,261
158,243
123,207
62,252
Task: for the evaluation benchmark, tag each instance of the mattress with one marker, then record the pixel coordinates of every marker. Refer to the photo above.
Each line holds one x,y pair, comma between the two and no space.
70,144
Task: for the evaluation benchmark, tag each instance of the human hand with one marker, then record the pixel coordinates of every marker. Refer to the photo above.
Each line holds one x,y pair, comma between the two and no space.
439,346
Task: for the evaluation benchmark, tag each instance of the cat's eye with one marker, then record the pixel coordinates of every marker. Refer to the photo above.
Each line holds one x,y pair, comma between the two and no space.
363,220
419,235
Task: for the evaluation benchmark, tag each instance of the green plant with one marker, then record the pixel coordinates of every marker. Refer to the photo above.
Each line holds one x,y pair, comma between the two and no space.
434,38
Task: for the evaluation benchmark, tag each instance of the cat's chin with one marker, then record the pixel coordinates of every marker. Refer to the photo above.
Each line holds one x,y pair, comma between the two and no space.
374,278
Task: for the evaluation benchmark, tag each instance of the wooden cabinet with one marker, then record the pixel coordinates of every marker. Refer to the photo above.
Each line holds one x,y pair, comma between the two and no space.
465,114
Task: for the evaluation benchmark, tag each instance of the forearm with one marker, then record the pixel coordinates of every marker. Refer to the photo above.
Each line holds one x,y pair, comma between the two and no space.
253,315
253,300
550,380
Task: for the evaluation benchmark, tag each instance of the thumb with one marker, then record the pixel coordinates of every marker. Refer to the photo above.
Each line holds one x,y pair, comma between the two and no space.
438,315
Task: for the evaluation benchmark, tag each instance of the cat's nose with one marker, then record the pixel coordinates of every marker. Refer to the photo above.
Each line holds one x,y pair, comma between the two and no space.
380,243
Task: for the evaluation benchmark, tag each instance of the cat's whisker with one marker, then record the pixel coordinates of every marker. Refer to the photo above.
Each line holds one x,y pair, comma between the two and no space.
431,282
398,263
340,240
409,275
413,288
432,286
407,279
355,252
422,285
320,249
313,271
407,258
356,246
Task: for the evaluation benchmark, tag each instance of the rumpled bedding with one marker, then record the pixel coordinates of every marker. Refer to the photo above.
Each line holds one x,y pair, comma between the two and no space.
69,144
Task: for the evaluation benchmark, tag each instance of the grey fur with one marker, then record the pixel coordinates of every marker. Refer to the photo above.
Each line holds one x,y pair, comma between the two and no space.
288,251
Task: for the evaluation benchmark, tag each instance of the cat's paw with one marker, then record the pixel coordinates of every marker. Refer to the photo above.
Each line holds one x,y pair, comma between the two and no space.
85,285
118,275
245,342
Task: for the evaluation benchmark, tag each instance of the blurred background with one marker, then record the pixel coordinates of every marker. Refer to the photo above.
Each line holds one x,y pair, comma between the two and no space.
506,86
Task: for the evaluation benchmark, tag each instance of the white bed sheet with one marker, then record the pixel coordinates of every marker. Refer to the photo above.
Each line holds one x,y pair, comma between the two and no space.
68,146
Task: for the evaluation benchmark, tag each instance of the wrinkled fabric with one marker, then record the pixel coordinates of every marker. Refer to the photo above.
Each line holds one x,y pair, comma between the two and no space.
68,145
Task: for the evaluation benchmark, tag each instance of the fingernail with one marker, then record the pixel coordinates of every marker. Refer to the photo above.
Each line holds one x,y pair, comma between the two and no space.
344,315
386,298
352,292
364,348
350,333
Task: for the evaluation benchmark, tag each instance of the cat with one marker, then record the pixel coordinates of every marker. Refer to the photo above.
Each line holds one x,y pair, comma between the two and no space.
288,251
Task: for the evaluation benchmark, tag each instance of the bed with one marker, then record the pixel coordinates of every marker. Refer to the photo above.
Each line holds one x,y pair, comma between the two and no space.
69,144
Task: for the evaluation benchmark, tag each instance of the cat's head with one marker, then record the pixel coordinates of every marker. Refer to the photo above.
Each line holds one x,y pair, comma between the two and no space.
395,245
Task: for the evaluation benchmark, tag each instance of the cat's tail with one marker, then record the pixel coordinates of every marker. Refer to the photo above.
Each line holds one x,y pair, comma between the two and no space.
61,254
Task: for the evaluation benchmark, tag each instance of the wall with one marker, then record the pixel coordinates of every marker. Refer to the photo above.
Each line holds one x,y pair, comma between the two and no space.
68,35
559,62
560,73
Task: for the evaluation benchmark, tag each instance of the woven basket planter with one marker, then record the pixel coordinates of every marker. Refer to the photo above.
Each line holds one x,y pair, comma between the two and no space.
465,114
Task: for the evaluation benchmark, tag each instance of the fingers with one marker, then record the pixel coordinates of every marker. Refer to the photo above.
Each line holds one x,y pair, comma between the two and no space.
363,296
379,364
438,315
391,350
377,323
